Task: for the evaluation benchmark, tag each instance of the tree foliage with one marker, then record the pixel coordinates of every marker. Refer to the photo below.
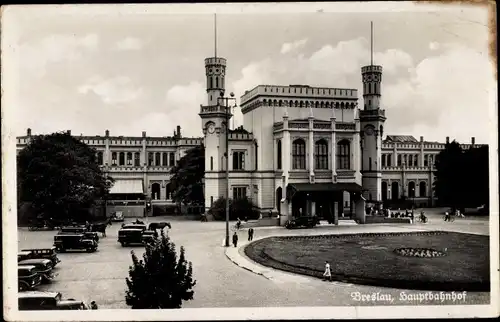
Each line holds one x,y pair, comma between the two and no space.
59,176
462,177
238,208
187,177
160,280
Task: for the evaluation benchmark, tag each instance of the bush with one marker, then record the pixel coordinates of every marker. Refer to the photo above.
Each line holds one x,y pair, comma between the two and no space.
239,208
160,280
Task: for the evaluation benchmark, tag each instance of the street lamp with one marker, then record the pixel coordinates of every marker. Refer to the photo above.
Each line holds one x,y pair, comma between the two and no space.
413,198
227,111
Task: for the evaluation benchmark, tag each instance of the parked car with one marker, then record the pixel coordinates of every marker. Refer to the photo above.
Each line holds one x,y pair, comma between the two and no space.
79,230
305,221
117,216
131,234
28,278
74,242
43,267
35,300
149,236
47,253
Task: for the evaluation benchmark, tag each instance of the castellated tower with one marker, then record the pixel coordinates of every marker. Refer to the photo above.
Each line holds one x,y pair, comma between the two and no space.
214,117
372,119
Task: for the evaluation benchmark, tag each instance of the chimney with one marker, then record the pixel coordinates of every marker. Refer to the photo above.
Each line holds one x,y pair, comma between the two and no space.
447,140
107,133
473,141
28,132
178,130
421,139
143,134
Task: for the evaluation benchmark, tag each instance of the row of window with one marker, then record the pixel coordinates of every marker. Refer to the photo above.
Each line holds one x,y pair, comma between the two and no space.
395,193
134,158
315,104
371,88
321,159
410,160
309,90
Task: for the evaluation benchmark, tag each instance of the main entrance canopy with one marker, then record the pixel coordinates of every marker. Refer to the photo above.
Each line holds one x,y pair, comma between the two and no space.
322,188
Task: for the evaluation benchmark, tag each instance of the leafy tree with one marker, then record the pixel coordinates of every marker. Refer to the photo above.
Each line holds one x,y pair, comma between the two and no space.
187,177
238,208
159,280
59,176
462,177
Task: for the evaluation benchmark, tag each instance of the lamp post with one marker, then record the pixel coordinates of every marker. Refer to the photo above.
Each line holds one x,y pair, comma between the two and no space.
227,111
413,198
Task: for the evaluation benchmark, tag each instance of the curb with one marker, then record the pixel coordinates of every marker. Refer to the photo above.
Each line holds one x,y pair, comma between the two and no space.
244,267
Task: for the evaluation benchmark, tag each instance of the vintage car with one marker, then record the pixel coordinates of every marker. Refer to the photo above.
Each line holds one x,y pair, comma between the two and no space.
305,221
118,216
22,255
46,253
42,266
63,242
79,230
149,236
35,300
28,278
131,234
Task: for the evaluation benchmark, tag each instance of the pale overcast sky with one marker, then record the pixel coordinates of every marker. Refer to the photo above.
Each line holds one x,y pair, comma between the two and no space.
71,68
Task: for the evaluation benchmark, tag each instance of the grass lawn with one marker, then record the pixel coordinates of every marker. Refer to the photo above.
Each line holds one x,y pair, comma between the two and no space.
370,259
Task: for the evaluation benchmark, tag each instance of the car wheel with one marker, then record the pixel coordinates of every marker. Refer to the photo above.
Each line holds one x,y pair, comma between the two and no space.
22,287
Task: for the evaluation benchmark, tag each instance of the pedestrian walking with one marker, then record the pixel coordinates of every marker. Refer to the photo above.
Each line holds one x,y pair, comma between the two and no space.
235,239
93,305
250,234
328,273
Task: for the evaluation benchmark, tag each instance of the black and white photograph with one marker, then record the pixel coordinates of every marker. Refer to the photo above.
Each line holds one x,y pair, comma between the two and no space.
248,161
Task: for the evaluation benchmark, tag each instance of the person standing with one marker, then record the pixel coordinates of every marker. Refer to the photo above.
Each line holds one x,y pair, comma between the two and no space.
250,234
328,273
235,239
93,305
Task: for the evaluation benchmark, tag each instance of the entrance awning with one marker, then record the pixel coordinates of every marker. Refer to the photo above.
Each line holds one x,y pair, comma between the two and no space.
129,186
293,188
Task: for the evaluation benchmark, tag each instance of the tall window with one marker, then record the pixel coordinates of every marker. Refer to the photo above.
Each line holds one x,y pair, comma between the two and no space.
343,155
137,159
431,160
415,160
389,160
129,158
426,160
321,155
238,160
239,192
150,158
410,160
370,164
423,189
299,154
405,159
157,158
113,158
399,160
164,159
211,163
279,155
121,160
171,162
100,159
383,159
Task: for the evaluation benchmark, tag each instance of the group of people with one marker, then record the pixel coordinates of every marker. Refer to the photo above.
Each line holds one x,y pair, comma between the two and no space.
250,237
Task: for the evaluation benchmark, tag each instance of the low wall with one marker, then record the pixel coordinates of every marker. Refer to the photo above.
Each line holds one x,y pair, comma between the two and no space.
128,211
264,222
385,220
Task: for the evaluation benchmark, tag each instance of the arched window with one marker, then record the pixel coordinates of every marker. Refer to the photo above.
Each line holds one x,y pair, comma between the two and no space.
299,154
344,155
210,82
129,158
121,160
278,155
137,159
216,82
395,190
100,158
157,158
411,189
384,190
155,191
321,154
264,102
423,189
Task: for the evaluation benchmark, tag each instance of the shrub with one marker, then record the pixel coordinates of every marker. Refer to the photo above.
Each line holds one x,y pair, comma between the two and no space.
239,208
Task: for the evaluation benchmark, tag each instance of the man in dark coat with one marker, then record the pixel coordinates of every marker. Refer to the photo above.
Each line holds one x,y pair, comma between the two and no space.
235,239
250,234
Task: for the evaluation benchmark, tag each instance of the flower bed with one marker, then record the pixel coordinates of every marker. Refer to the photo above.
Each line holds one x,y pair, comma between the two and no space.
371,259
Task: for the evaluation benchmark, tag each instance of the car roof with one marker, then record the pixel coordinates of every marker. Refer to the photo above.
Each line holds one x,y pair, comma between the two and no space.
24,252
33,260
72,235
32,294
37,249
26,267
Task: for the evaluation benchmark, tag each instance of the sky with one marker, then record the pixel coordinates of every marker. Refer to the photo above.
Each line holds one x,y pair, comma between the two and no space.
129,69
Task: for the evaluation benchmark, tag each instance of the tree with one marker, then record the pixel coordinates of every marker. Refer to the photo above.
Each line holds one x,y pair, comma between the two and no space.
238,208
187,177
159,280
59,176
462,177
